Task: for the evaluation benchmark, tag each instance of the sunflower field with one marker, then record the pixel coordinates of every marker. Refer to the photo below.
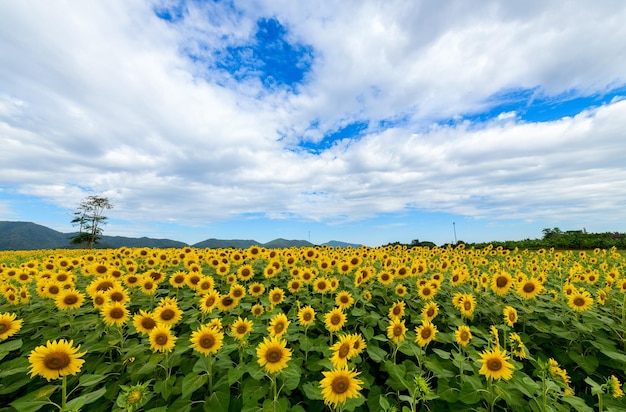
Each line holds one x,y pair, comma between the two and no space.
312,329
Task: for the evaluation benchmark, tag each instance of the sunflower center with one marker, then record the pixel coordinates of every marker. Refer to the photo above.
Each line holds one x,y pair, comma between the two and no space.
529,287
227,301
54,289
57,361
455,278
207,341
494,365
384,277
340,384
321,286
397,310
242,329
279,327
276,297
167,314
273,355
344,350
148,285
98,300
467,305
502,281
335,319
210,301
237,293
579,301
148,323
101,269
70,299
430,312
307,316
464,336
179,279
425,333
3,326
116,313
512,317
161,339
397,331
117,297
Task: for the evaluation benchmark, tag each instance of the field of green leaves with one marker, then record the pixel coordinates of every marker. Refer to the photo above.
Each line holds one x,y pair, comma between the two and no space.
312,329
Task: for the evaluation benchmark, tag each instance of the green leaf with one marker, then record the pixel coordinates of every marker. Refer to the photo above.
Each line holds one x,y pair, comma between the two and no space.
217,402
193,382
252,391
291,377
9,346
34,400
14,386
588,363
279,405
442,353
235,374
440,371
85,399
90,380
312,391
577,403
376,354
445,392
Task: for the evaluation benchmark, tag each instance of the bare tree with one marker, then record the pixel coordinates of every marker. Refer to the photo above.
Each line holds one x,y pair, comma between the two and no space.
90,218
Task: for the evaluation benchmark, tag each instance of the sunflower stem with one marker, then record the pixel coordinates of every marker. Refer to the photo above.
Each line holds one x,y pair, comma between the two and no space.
64,393
210,373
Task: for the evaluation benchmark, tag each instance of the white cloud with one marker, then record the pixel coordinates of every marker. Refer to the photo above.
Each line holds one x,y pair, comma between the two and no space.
101,95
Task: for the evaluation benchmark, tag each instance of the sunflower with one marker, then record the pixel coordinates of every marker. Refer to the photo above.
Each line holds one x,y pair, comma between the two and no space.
340,384
344,300
396,330
103,284
144,321
278,325
117,294
306,315
69,299
580,301
342,351
209,301
273,354
9,326
99,299
385,278
614,387
358,343
468,305
321,286
501,283
178,279
257,310
334,320
463,335
529,288
227,302
206,340
168,314
245,272
495,365
400,290
55,359
276,296
510,315
256,289
205,285
161,339
425,333
426,292
51,289
148,286
518,349
114,313
397,310
430,311
241,327
294,285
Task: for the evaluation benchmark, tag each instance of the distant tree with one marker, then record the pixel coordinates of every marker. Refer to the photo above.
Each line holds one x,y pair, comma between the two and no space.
551,233
90,218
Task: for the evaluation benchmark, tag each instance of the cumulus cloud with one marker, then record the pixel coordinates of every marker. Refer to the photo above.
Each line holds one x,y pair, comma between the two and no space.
108,97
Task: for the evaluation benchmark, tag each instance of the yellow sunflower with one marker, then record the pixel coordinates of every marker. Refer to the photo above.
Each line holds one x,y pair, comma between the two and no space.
529,288
358,343
144,321
400,290
425,333
501,283
245,272
430,311
334,320
161,339
69,299
306,315
463,335
227,302
178,279
278,325
99,299
9,326
209,301
206,340
510,316
614,387
495,365
276,296
385,278
241,327
117,294
321,285
273,354
468,305
397,310
580,301
338,385
342,351
344,300
114,313
426,292
168,314
257,310
396,330
256,289
55,359
205,285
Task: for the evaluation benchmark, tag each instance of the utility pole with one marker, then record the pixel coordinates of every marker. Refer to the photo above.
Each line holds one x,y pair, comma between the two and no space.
454,227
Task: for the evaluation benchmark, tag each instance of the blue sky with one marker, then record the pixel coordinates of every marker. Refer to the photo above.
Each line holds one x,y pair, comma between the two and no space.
358,121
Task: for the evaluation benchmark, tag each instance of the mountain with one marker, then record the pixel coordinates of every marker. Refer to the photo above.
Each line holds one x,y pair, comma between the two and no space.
31,236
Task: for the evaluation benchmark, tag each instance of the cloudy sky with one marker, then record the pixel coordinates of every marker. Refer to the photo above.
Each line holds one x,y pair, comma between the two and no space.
361,121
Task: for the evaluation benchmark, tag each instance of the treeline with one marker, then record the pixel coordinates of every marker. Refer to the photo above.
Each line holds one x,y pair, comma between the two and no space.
552,238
